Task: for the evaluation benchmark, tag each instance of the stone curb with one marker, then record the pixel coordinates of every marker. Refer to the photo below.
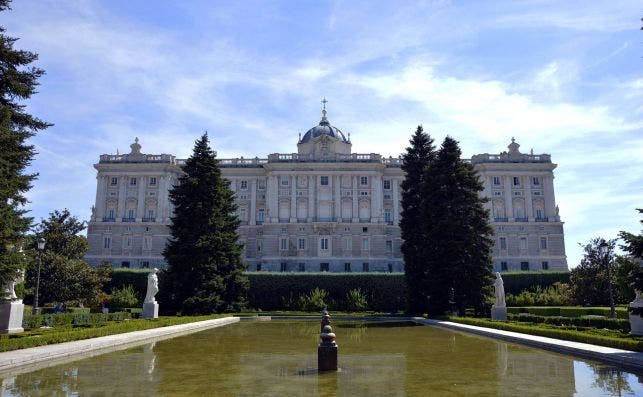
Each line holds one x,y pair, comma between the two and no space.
624,358
33,358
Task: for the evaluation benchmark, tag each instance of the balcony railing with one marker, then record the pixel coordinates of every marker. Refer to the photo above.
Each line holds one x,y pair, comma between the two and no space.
522,220
128,219
500,220
149,219
542,219
108,219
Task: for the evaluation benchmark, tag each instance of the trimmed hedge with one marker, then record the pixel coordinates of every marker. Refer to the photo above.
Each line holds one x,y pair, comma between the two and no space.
626,342
592,322
137,278
516,282
569,311
72,319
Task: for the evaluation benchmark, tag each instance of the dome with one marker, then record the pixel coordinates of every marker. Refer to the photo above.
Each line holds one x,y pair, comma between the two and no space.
324,127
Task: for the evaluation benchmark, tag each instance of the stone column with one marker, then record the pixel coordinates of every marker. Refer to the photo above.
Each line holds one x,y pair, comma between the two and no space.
140,199
272,206
396,202
121,197
377,200
253,201
311,199
550,200
355,197
313,205
509,208
337,185
293,198
163,198
101,196
529,206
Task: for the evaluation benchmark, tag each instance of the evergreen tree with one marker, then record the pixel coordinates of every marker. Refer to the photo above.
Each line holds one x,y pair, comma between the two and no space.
417,157
634,246
17,83
589,281
456,234
205,269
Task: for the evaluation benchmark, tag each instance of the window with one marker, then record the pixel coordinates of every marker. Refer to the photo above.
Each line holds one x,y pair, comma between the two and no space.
539,213
107,242
523,243
284,180
302,244
150,214
537,193
145,264
259,246
365,244
152,181
114,181
545,265
363,180
390,268
347,267
283,244
387,215
387,184
365,230
497,193
323,180
536,181
302,267
543,243
260,215
496,180
363,193
389,246
516,181
131,214
524,265
387,197
323,267
258,268
125,264
110,213
132,181
283,267
503,266
323,243
365,266
244,185
348,243
503,243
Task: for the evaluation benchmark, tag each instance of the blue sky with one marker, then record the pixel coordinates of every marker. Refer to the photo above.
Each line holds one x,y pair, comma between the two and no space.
564,78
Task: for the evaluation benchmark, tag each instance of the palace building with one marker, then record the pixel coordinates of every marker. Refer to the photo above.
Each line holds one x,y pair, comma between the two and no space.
323,208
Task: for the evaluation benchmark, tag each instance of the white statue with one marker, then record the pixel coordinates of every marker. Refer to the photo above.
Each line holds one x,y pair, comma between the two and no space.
499,285
152,286
10,287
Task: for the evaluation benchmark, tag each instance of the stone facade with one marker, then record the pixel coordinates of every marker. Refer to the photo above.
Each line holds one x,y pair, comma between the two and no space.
323,208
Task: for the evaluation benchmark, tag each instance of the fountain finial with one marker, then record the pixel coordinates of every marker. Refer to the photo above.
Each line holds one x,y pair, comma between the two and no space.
327,349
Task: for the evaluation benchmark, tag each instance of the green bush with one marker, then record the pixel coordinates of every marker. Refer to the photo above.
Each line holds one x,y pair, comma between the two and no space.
593,322
136,278
68,320
516,282
124,297
355,300
569,311
314,301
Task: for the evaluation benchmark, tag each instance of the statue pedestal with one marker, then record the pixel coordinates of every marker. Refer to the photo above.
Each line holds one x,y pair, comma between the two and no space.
636,320
499,313
150,310
11,317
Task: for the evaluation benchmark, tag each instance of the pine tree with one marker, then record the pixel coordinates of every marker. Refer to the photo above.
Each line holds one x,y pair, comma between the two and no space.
18,82
417,157
456,233
205,269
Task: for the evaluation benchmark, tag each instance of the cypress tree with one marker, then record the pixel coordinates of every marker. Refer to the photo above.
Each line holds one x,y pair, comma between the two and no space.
457,234
205,269
18,83
417,157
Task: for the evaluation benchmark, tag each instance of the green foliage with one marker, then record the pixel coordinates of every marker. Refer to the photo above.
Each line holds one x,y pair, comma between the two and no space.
314,301
516,282
609,339
595,322
18,82
589,281
40,337
205,269
355,300
137,278
124,297
417,158
558,294
569,311
626,273
384,292
72,319
633,243
456,234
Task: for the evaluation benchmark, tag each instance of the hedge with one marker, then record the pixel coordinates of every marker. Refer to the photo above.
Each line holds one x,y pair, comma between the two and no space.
592,322
626,343
569,311
72,319
384,291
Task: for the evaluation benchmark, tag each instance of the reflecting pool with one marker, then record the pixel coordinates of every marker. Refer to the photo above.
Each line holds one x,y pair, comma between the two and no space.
279,358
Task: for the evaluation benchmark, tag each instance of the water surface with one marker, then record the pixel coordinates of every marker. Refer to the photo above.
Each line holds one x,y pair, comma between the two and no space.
279,358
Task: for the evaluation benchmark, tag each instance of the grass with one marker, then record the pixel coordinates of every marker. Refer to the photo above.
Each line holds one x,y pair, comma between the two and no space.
595,336
41,337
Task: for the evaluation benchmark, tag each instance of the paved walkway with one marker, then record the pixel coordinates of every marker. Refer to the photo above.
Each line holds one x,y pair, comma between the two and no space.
625,358
43,356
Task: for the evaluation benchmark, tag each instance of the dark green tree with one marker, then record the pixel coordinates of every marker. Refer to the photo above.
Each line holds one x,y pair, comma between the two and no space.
588,280
18,83
64,274
417,157
634,246
205,269
456,234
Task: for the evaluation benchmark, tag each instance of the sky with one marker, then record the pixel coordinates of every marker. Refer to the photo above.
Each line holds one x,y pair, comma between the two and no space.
563,78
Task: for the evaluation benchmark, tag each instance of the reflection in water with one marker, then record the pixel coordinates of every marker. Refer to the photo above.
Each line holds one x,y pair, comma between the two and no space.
279,359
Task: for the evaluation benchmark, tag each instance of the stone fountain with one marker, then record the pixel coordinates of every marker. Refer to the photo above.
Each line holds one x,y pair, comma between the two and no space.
327,349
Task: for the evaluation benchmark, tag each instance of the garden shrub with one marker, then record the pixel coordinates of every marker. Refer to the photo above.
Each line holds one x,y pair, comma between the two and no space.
124,297
314,301
355,300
